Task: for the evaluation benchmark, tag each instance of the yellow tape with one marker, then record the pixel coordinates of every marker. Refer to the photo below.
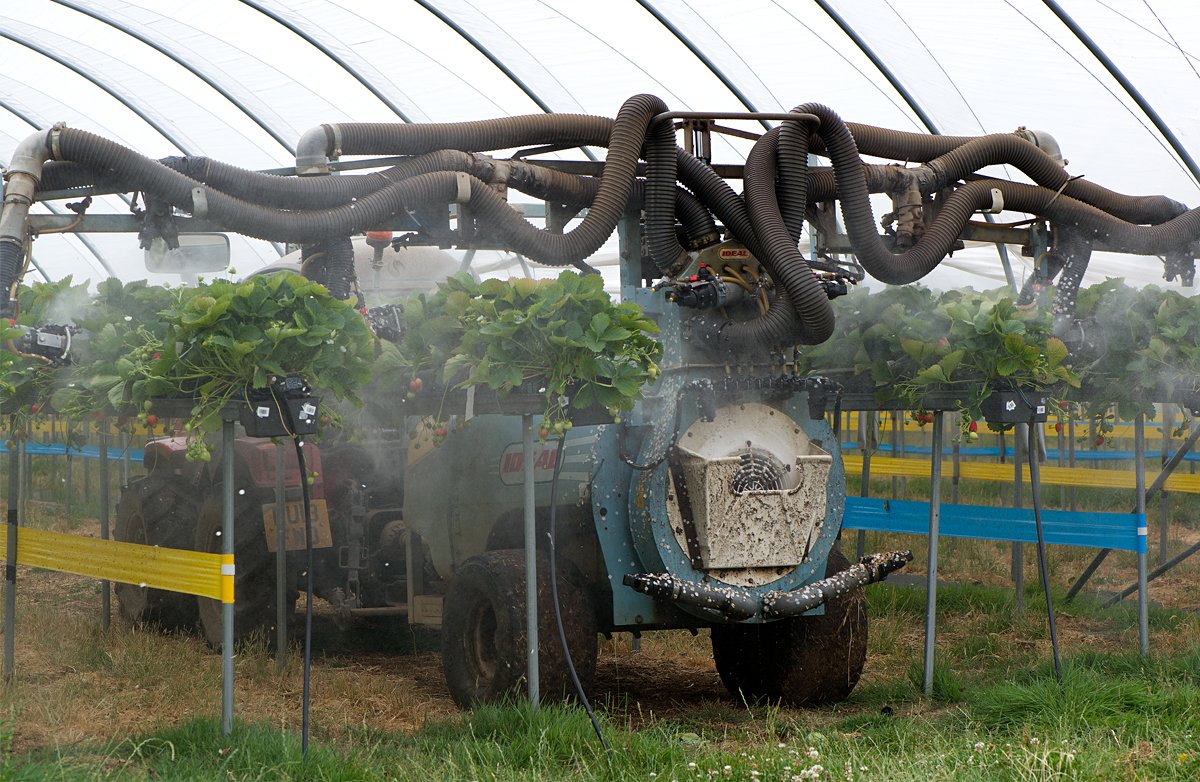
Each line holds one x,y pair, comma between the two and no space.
1055,476
190,572
227,573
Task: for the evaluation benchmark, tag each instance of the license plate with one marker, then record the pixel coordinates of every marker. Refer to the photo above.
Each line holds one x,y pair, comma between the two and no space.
293,531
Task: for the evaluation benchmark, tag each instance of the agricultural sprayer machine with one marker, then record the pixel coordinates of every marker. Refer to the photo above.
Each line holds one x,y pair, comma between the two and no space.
714,502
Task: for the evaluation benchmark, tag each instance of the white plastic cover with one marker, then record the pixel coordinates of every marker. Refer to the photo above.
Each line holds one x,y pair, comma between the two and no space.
288,65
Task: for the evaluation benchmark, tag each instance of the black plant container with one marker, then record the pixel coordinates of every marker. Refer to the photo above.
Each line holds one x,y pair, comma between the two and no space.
1016,406
264,417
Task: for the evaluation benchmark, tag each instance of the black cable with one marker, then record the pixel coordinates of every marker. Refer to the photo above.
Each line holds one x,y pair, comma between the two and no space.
562,635
309,596
1035,485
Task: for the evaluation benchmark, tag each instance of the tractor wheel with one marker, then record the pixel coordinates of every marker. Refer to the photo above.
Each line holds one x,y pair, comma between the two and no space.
157,511
254,575
800,661
483,630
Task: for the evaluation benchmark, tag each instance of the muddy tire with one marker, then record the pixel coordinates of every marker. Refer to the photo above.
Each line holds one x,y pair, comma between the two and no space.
254,614
483,630
801,661
159,510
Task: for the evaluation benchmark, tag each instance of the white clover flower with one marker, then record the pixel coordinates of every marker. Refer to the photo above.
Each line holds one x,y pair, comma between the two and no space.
691,765
979,746
1035,741
812,753
781,746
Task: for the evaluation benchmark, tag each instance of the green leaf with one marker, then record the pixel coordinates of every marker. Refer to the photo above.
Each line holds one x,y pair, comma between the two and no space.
1056,351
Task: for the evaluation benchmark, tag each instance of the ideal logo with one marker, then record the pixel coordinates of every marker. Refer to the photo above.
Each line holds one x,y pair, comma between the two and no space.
1010,405
512,464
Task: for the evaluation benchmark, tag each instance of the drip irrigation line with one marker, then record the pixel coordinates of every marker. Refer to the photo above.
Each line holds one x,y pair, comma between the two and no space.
308,597
1036,489
562,635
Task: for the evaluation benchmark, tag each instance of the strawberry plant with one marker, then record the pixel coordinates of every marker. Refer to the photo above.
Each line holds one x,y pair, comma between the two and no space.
563,337
210,344
912,342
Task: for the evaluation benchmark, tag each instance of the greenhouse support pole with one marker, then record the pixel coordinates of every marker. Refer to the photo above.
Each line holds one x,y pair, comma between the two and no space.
125,443
105,592
10,567
227,457
280,558
531,633
935,513
1139,467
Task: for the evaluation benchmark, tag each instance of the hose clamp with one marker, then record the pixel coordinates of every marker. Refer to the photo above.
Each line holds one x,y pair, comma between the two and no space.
464,187
53,137
336,141
199,203
997,202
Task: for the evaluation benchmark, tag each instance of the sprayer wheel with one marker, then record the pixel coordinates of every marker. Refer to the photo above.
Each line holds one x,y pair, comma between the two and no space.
800,661
254,575
159,510
483,630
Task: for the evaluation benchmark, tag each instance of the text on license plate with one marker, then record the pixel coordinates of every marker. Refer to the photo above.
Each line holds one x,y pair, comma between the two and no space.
293,531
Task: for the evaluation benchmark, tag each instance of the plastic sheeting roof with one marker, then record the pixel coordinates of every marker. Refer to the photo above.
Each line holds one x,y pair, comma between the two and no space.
241,80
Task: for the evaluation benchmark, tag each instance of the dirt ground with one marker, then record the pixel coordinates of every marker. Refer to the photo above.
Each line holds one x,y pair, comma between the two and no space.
74,684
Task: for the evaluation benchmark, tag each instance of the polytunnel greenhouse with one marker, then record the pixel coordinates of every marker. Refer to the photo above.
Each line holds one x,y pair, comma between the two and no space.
533,322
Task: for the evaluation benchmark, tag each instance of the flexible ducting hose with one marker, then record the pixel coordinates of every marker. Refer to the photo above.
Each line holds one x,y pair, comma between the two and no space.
1077,252
11,255
447,166
923,148
781,257
661,160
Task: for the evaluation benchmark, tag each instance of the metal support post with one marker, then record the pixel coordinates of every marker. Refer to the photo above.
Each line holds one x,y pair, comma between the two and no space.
935,512
1062,490
1164,505
1139,468
70,461
531,633
865,488
227,457
125,456
1018,550
10,569
1071,454
956,465
1159,482
105,591
895,480
281,614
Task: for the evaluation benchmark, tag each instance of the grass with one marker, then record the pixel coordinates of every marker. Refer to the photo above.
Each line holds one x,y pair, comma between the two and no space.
135,704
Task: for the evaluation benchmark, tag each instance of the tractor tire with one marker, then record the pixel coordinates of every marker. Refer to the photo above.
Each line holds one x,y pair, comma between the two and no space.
159,510
254,574
799,661
483,630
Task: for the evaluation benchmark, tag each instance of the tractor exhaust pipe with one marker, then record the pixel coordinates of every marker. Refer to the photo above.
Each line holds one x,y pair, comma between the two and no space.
869,570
